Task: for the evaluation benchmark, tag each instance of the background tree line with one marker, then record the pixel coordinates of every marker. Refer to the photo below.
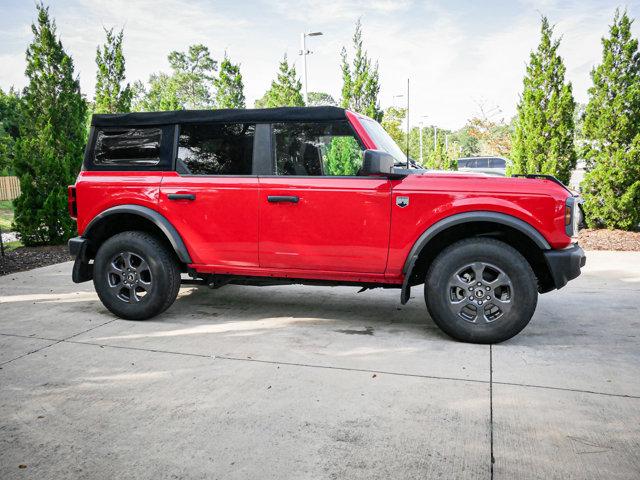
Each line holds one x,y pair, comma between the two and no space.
43,128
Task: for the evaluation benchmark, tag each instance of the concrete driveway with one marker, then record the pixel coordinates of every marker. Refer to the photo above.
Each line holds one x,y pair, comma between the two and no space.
314,383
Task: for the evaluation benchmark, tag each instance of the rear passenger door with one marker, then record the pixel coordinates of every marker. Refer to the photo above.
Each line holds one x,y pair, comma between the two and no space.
212,196
316,213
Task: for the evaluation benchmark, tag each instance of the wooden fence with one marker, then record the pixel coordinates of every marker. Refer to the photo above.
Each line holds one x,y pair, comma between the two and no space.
9,188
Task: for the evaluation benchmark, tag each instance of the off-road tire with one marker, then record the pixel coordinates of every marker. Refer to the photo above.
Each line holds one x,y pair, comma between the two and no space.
443,299
160,268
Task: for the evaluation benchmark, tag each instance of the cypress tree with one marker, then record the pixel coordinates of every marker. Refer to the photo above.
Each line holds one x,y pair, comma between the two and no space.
285,90
612,132
229,86
49,152
111,96
361,81
544,129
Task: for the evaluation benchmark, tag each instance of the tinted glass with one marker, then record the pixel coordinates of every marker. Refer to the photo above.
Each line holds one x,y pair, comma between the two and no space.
316,149
382,139
482,162
497,163
463,163
128,147
215,149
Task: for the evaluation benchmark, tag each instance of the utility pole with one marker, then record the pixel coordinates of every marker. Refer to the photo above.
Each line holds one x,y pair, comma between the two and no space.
304,52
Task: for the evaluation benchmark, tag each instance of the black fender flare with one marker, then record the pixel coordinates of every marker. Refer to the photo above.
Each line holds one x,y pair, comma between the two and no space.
457,219
153,216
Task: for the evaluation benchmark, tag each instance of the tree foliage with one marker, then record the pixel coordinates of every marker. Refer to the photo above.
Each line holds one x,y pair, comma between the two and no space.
468,142
111,96
493,138
285,90
321,99
612,132
392,122
440,157
344,156
49,152
10,119
189,86
544,132
228,85
360,81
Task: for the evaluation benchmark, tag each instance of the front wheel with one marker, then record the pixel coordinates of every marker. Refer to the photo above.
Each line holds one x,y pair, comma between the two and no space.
481,290
135,275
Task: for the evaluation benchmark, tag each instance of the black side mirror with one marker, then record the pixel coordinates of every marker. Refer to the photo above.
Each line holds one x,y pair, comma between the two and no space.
377,162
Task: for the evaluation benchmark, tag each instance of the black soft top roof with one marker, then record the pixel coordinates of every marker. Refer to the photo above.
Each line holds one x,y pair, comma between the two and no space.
283,114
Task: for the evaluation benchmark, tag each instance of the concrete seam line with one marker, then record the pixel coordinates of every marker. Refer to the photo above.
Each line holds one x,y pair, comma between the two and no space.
434,377
492,460
55,342
139,349
348,369
565,389
30,336
329,367
28,353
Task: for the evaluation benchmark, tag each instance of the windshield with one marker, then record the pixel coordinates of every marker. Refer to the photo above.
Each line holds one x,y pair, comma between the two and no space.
382,139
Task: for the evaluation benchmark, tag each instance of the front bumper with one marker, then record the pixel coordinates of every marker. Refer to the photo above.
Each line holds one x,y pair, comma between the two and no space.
565,264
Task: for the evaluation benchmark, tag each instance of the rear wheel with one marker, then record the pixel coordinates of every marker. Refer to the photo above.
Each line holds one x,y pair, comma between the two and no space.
481,290
136,276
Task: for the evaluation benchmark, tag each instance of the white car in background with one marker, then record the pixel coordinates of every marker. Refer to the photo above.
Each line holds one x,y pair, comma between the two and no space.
489,165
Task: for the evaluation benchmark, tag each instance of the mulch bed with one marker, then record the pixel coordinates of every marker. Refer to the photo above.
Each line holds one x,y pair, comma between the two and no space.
603,239
26,258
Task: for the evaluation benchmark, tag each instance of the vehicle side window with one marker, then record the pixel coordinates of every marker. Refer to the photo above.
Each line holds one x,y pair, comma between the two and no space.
316,149
215,149
497,163
463,163
482,163
128,147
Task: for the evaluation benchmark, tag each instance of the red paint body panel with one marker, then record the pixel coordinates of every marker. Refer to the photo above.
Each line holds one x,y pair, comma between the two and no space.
219,227
360,130
339,224
97,191
433,197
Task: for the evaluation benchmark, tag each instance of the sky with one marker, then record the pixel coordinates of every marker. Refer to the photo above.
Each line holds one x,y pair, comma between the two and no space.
460,56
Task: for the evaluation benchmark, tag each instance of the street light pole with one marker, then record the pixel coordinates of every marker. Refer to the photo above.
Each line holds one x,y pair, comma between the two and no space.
304,52
408,130
421,125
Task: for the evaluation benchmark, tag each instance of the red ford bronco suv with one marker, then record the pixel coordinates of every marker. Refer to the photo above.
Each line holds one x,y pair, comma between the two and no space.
317,195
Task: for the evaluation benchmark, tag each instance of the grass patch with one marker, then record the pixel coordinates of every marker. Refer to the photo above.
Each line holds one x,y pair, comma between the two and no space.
10,246
6,215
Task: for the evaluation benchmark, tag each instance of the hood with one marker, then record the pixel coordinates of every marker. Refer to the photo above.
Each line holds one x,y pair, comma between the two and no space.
477,182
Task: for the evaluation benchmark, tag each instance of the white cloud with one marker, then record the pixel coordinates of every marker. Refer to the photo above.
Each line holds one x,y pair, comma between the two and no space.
454,53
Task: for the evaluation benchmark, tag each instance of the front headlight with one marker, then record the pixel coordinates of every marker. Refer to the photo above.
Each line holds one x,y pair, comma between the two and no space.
572,216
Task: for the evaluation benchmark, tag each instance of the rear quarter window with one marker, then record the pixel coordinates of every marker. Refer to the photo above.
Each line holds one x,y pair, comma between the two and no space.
130,148
134,146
